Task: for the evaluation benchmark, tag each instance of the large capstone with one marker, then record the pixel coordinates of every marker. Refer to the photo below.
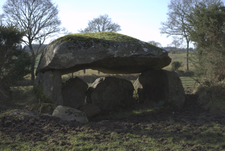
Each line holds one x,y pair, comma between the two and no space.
107,52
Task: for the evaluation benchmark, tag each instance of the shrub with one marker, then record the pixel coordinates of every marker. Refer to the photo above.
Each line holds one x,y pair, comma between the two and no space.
176,65
212,97
207,33
182,73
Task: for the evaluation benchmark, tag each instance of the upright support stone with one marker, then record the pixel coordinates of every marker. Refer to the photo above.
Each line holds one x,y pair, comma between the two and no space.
52,85
158,87
73,92
176,89
109,93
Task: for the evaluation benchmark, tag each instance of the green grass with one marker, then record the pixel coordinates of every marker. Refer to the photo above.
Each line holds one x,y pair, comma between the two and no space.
188,82
155,136
24,96
181,57
138,109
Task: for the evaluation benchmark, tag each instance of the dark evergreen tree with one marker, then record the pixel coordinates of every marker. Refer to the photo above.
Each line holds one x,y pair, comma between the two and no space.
14,62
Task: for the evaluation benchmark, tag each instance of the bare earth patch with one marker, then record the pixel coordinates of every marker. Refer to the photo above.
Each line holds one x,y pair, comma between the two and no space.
190,128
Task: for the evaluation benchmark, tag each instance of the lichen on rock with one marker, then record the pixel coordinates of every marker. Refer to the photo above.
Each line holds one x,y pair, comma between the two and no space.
108,52
68,114
47,108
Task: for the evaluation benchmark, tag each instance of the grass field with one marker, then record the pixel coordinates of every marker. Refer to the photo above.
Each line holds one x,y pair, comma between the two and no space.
181,57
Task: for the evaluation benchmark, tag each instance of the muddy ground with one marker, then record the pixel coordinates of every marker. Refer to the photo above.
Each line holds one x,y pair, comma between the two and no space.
35,129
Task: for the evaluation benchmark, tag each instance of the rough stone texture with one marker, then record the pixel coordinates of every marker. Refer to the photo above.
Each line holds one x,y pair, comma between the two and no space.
51,83
158,87
176,89
73,92
47,108
110,92
68,113
107,52
39,78
90,110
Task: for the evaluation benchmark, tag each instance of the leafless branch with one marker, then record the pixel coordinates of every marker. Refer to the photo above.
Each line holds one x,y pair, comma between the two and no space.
39,18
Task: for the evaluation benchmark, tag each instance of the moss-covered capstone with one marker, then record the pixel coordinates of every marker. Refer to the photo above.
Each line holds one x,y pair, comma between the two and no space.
108,52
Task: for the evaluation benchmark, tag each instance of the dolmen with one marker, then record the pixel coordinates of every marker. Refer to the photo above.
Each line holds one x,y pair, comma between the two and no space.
107,52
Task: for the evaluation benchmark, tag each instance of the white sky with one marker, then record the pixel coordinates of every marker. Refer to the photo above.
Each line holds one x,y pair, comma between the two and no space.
140,19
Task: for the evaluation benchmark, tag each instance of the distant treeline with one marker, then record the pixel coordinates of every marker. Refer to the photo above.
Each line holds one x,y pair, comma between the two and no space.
174,48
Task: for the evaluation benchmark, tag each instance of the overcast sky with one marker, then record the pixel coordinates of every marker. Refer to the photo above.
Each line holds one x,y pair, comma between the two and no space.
140,19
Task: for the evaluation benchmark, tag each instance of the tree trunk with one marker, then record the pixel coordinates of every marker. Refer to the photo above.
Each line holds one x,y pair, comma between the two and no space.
187,54
33,61
32,69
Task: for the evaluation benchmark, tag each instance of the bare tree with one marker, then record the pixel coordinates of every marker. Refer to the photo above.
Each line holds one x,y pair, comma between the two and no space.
176,43
155,43
101,24
39,18
1,18
177,24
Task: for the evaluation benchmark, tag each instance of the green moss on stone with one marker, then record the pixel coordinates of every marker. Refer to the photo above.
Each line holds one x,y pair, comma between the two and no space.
106,38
